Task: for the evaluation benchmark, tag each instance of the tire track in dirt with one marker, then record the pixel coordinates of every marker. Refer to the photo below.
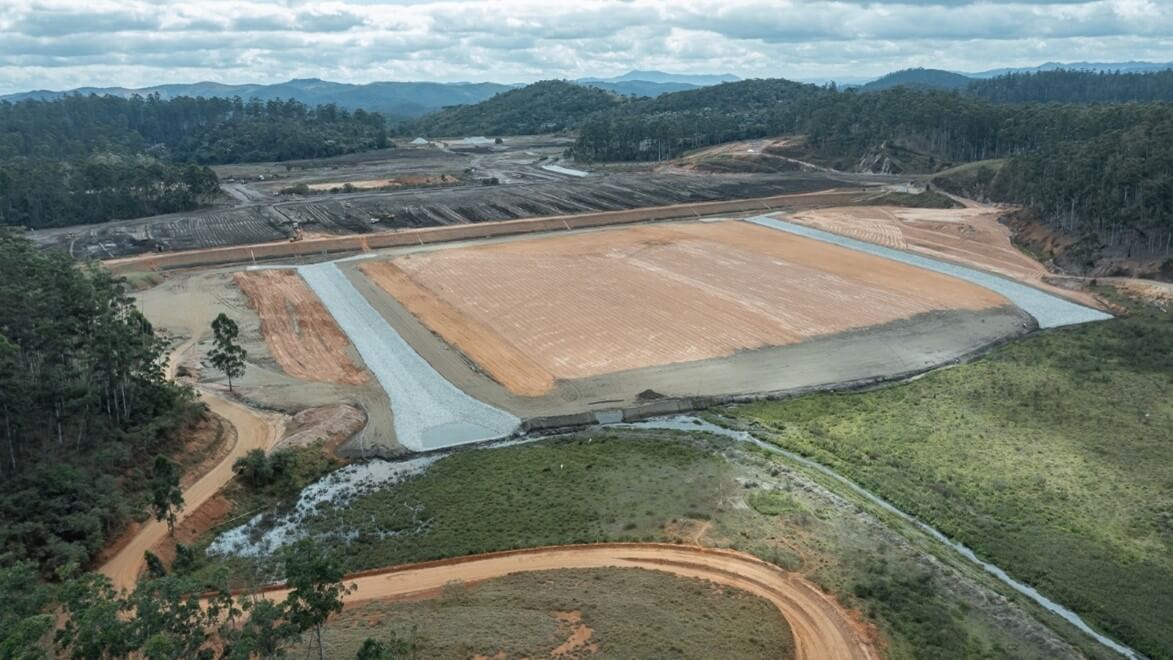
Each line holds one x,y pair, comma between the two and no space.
822,628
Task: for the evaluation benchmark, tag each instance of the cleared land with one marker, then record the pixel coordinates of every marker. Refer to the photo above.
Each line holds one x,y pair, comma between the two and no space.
300,333
1050,458
573,613
971,236
569,307
346,214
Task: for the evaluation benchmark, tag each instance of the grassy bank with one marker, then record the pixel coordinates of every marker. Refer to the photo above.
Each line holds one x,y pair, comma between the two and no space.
611,612
675,487
1052,457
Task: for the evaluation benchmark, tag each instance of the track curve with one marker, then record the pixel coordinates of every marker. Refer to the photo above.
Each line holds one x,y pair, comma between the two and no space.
254,430
822,628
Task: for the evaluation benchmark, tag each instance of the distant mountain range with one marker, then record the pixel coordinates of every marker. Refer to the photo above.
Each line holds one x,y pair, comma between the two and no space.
415,99
660,77
400,99
1124,67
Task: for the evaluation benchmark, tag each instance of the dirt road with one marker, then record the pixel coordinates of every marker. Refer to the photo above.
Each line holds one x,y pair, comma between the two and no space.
254,430
822,628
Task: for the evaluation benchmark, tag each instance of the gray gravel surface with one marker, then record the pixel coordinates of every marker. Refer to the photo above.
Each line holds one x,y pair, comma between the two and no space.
429,411
1048,310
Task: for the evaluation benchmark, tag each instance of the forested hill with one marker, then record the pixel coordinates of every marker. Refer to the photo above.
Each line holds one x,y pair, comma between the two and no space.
919,79
90,159
184,129
1104,172
543,107
1064,86
660,128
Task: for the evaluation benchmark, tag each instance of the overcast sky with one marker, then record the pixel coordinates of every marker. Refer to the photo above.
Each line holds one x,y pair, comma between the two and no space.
58,44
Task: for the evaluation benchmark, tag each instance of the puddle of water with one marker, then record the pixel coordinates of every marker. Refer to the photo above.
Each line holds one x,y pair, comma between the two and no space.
694,424
255,538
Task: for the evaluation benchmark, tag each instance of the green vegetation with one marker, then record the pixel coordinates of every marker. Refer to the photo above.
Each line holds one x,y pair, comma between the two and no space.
1100,170
480,501
919,79
1050,457
84,408
227,355
90,159
166,616
631,485
543,107
631,613
1068,86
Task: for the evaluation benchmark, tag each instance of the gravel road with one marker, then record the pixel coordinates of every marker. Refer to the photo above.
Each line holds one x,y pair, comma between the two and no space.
1050,311
429,411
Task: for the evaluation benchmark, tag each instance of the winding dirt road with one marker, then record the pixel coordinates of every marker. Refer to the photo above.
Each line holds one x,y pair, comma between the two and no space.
254,430
820,625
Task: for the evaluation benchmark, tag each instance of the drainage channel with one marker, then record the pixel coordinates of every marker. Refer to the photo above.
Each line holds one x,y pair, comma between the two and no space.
694,424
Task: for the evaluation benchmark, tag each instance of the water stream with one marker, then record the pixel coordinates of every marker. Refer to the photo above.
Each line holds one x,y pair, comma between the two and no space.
690,423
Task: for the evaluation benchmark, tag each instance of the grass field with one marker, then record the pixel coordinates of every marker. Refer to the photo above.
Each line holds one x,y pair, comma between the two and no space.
1052,457
608,613
676,487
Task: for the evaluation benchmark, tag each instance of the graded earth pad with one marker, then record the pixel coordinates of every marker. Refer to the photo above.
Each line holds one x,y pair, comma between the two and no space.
971,236
533,312
301,335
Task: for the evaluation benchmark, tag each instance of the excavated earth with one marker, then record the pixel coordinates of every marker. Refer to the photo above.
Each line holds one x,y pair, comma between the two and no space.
272,219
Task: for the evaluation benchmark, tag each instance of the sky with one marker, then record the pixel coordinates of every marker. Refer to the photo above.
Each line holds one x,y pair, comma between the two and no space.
62,44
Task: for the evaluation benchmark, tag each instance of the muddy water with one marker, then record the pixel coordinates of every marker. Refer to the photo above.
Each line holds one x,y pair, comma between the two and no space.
689,423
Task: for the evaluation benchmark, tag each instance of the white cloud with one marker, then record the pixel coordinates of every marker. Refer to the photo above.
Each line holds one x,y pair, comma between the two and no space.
67,43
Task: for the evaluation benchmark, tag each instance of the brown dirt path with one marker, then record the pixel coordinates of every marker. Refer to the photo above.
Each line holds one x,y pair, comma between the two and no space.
822,627
254,430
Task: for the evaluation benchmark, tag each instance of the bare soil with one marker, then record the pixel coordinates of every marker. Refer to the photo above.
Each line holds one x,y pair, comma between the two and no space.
572,307
331,425
300,333
821,626
972,236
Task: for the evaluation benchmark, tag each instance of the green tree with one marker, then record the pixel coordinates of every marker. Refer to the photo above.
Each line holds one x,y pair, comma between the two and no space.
255,467
227,355
316,588
166,496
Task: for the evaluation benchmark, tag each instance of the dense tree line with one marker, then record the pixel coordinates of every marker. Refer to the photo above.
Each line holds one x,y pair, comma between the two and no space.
89,159
84,406
1102,169
543,107
666,126
200,130
1068,86
41,192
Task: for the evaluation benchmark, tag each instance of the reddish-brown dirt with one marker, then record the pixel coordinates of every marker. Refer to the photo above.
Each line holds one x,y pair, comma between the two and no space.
821,626
300,333
499,358
254,430
579,641
194,525
333,425
573,306
970,236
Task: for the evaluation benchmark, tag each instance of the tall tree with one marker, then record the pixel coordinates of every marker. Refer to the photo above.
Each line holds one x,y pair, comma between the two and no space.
166,497
227,355
316,588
